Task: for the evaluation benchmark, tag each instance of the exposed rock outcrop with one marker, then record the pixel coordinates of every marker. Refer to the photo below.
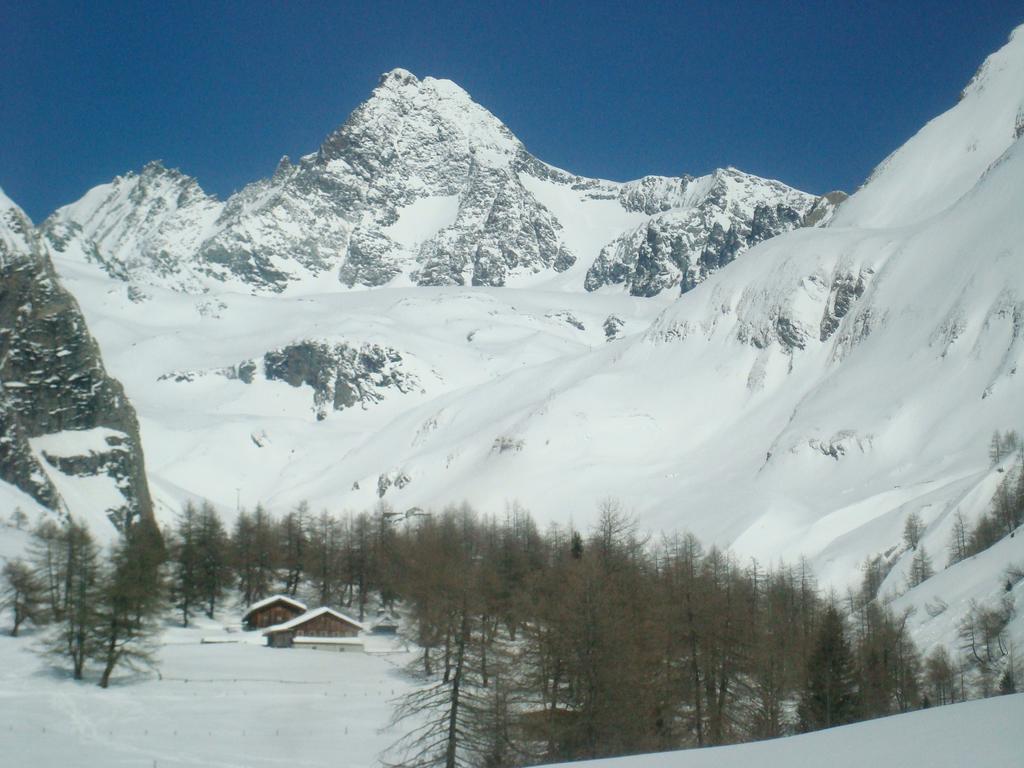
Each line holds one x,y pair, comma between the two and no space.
341,376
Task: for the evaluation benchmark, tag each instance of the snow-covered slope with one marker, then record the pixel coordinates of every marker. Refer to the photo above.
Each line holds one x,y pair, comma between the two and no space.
977,733
238,395
803,400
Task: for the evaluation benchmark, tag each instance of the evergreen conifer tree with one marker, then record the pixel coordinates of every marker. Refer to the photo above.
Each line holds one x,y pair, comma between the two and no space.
185,565
128,601
213,550
73,636
830,693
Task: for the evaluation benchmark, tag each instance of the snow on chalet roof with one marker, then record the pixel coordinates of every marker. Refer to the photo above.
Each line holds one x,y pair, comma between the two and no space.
308,616
271,600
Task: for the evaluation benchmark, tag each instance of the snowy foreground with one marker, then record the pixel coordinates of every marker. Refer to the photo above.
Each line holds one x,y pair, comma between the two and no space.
222,704
977,733
234,704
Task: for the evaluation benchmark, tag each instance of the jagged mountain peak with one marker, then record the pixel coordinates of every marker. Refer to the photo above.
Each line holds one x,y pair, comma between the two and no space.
5,201
154,183
15,227
157,171
397,77
425,124
157,176
697,226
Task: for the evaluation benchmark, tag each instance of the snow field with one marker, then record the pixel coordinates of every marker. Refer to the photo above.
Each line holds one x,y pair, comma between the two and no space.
225,703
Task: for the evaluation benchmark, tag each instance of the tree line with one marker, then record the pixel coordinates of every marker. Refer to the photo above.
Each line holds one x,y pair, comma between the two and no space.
1006,512
558,645
327,559
104,606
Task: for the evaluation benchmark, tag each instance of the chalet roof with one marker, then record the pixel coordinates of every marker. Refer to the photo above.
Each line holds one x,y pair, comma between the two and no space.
270,601
309,616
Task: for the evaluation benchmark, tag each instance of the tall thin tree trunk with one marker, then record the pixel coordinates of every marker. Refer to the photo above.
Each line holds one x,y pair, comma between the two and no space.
484,679
695,672
110,662
453,714
447,656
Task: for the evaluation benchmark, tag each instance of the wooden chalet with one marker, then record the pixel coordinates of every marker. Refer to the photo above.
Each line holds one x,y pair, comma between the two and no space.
275,609
319,629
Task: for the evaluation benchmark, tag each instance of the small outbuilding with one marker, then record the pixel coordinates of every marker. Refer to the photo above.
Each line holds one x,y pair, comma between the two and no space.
275,609
320,628
386,625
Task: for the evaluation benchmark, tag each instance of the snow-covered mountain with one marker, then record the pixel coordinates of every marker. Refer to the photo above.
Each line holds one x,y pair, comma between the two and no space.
421,186
422,312
70,438
252,301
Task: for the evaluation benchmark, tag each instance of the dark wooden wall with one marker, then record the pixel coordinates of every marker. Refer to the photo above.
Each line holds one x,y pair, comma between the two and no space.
326,626
275,613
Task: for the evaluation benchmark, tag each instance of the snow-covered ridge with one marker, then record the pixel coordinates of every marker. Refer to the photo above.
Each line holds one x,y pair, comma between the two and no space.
15,227
138,225
947,157
717,218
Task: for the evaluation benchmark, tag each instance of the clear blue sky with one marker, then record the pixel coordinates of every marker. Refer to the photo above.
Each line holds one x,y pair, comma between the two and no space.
814,94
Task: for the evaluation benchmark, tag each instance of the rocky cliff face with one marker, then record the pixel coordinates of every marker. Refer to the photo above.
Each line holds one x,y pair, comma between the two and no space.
420,185
61,416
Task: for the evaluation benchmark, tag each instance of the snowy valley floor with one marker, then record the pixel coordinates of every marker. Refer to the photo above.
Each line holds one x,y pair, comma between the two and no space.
216,705
235,704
